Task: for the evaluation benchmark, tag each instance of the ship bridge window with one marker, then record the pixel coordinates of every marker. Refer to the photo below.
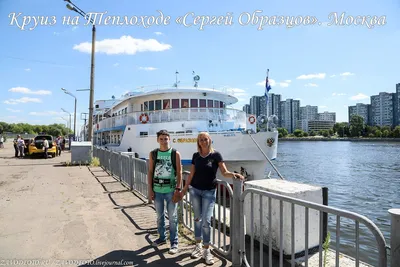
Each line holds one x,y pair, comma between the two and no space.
151,105
210,103
166,104
175,103
146,106
203,103
221,104
184,103
194,103
158,104
216,104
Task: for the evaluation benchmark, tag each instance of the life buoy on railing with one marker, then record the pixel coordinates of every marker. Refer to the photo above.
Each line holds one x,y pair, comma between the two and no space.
252,119
144,118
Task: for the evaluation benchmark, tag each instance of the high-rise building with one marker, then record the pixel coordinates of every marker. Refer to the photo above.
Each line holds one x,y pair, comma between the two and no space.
309,113
255,105
362,110
290,112
327,116
396,105
382,112
246,108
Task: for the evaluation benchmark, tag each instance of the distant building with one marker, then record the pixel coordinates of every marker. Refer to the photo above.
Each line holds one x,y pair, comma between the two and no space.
363,110
246,108
327,116
290,112
382,109
319,125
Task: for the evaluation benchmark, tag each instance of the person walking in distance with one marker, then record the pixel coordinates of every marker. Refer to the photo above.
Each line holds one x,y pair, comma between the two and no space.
164,186
202,186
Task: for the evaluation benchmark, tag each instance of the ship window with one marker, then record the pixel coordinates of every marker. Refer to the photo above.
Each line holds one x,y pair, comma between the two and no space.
210,103
175,103
216,104
221,104
166,104
184,103
141,107
151,105
203,103
194,103
158,104
146,106
126,110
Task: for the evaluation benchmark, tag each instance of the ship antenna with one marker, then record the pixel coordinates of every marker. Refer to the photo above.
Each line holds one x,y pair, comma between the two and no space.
196,79
176,79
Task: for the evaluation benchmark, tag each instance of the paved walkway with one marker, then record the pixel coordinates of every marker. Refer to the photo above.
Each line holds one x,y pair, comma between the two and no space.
63,216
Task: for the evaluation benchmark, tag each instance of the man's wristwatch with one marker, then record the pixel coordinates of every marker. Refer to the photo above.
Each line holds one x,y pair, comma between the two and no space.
177,188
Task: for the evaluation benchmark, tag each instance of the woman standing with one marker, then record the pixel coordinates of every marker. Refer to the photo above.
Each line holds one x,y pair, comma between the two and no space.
203,187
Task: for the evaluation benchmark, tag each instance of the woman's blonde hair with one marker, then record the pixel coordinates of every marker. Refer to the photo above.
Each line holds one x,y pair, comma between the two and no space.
209,141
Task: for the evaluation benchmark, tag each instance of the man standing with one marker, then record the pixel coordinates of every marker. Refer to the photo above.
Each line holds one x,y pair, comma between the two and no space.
164,184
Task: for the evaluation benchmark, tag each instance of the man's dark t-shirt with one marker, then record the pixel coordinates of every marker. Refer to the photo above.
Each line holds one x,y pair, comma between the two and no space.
206,168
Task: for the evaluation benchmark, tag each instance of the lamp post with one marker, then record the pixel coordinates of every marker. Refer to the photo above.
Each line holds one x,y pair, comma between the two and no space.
66,124
73,7
68,93
70,125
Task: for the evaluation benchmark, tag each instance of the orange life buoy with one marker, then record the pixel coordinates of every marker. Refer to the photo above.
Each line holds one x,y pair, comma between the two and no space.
144,118
252,119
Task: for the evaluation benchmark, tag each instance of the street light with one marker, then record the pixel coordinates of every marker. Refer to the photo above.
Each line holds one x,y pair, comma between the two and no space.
65,120
71,6
68,93
70,125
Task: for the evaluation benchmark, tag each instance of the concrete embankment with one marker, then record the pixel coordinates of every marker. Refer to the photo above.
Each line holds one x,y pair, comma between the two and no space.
56,215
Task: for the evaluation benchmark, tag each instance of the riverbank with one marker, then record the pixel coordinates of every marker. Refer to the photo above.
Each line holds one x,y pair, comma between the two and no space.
340,139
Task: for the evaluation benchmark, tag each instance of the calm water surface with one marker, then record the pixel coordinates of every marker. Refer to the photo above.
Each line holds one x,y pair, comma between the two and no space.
362,177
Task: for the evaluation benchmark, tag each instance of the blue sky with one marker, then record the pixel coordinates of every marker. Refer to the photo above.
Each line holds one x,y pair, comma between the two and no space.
327,66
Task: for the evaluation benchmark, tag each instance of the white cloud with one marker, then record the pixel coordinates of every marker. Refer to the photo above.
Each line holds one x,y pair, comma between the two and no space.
115,64
359,96
27,69
147,68
124,45
338,94
237,92
311,85
13,110
24,90
46,113
347,74
22,100
312,76
158,33
273,83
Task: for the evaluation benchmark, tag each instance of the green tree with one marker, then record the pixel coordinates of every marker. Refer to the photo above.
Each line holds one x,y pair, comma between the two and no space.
396,132
312,133
298,133
356,125
282,132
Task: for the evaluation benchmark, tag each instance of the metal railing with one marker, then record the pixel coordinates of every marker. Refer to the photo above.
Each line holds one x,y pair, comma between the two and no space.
229,230
292,205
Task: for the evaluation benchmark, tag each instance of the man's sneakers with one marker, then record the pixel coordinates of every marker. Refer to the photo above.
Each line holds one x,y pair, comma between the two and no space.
208,256
158,242
173,249
197,251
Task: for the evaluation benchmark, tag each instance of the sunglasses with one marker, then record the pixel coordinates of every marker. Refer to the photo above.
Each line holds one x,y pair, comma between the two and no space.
164,139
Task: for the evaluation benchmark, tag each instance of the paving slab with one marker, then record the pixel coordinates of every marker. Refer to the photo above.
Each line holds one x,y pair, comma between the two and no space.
57,215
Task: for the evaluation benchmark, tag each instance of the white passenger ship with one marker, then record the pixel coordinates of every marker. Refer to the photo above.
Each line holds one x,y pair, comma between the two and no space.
130,124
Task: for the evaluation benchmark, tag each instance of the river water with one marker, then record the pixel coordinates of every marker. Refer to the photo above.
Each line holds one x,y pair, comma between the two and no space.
362,177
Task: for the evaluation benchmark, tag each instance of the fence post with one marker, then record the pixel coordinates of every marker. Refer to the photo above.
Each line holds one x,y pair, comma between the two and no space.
235,236
395,237
131,171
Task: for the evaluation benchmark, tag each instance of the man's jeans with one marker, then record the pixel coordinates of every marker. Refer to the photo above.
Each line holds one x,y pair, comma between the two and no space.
203,202
159,203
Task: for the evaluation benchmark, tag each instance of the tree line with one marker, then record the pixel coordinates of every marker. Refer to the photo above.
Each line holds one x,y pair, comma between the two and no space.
25,128
355,128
